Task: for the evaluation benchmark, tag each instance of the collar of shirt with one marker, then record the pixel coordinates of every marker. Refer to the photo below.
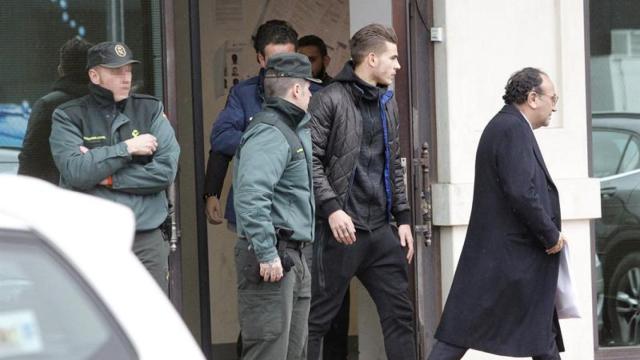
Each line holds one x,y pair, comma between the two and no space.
528,122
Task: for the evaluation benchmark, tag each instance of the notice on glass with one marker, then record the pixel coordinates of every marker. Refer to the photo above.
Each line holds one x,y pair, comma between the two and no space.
19,334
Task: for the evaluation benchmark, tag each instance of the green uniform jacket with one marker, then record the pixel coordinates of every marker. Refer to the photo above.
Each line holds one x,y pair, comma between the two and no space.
273,183
96,122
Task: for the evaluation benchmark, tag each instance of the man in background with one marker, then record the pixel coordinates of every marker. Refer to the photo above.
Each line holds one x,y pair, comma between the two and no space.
315,48
35,157
245,100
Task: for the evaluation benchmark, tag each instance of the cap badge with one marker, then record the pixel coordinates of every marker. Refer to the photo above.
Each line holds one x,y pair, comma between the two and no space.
120,50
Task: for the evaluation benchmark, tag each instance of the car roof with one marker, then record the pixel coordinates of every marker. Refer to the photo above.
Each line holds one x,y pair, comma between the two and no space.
38,205
621,121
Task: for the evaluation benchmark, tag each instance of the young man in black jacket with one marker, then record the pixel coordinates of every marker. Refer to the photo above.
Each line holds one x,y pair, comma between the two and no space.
359,189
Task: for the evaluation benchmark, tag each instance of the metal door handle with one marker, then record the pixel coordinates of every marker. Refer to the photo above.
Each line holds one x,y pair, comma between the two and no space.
608,192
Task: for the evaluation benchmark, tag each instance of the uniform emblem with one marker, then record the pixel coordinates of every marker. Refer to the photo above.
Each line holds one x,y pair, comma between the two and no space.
120,50
135,133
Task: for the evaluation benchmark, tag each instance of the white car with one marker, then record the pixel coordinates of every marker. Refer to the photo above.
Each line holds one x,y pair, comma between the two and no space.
70,287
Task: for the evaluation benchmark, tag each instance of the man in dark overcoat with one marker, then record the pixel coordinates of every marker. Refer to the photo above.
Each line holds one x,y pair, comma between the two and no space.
502,297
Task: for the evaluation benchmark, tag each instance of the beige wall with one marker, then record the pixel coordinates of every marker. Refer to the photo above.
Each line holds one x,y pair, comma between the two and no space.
484,43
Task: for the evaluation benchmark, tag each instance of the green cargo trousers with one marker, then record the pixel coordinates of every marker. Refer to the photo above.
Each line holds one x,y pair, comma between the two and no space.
153,251
273,316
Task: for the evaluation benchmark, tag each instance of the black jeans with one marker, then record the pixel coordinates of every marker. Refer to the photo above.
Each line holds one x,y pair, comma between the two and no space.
379,262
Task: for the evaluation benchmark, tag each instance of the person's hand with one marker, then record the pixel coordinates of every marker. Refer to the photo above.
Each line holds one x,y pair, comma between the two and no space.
406,240
145,144
558,246
342,227
213,211
271,271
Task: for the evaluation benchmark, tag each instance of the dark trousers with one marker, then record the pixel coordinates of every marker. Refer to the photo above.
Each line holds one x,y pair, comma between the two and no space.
379,262
445,351
335,345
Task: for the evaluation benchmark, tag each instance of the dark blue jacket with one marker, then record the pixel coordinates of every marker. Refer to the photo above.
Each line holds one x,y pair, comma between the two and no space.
244,101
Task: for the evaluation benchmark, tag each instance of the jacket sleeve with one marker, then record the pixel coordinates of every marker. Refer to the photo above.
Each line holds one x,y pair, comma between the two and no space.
264,156
157,175
229,126
400,207
82,171
217,166
516,166
322,112
37,135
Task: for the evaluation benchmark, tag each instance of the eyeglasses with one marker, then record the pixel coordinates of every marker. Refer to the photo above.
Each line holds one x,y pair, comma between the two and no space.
554,98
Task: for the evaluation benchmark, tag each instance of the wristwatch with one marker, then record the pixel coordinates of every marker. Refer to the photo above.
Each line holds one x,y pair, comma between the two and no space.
205,196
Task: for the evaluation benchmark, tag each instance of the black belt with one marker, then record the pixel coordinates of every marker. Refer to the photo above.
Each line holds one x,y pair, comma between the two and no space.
289,244
296,245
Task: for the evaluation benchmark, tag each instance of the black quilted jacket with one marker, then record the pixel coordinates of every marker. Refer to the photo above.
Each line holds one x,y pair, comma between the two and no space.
336,131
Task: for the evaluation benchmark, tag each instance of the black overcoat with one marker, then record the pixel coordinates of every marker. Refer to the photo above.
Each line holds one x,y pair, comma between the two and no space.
502,297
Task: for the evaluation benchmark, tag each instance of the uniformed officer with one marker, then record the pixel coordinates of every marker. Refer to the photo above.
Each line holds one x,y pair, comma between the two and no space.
275,215
119,146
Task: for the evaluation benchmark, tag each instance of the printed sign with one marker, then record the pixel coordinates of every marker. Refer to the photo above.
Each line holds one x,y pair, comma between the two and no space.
19,334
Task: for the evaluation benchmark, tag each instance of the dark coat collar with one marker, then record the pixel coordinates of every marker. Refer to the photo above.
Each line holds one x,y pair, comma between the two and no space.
361,87
104,97
513,110
291,114
74,85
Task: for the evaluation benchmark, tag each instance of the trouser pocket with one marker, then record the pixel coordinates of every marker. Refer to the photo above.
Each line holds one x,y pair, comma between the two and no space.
261,314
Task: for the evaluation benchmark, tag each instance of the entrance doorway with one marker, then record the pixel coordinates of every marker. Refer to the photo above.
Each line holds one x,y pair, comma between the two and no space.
227,57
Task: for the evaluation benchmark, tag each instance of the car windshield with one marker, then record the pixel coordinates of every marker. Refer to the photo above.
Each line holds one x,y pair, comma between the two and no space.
47,311
614,152
608,147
